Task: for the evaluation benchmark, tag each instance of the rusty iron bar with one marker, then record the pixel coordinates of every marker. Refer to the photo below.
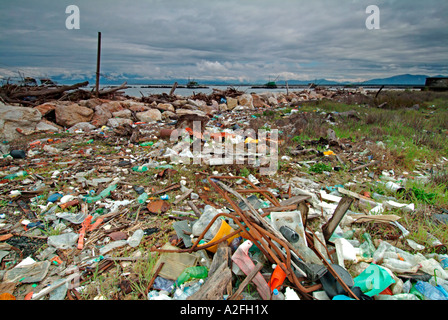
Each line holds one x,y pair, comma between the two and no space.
290,273
260,237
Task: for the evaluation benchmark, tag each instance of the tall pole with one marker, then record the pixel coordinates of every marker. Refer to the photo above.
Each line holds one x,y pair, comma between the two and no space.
98,65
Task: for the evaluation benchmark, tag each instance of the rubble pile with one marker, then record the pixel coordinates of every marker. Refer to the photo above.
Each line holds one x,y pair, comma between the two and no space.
114,186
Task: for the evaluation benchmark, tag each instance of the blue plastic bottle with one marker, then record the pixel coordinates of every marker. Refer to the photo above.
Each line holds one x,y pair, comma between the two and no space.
429,291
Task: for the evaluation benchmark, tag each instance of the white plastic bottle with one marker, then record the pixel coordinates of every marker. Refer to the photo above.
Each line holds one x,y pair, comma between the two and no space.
277,295
135,239
399,266
380,251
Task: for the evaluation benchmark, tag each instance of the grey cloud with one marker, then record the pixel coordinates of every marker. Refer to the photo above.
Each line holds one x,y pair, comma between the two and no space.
227,39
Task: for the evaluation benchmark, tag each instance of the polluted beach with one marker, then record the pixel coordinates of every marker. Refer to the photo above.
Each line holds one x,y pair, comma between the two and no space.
194,187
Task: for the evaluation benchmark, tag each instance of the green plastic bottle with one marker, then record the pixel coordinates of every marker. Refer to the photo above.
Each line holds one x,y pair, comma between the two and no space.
140,168
198,272
16,175
142,198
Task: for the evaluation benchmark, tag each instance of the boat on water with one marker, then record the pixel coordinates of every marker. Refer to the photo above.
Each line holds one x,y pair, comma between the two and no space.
194,85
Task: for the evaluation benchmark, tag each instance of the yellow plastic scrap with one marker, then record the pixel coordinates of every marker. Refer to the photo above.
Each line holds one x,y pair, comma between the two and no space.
250,140
329,153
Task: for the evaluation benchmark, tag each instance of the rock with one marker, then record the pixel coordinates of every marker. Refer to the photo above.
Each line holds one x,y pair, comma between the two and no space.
246,100
183,112
101,116
48,126
179,103
92,103
112,106
273,101
223,107
150,115
69,115
256,101
125,113
116,122
45,108
166,107
13,118
169,115
231,103
84,126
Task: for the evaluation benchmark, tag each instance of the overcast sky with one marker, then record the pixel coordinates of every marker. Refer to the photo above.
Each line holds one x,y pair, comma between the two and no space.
225,39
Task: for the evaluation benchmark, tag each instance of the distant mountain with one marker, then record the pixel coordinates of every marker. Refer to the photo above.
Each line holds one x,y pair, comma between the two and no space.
404,79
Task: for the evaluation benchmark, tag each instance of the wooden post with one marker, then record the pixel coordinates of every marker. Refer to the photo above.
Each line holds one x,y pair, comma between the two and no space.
98,59
173,88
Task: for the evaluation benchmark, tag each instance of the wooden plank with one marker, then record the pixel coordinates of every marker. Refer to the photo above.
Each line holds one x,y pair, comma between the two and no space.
338,214
214,286
246,281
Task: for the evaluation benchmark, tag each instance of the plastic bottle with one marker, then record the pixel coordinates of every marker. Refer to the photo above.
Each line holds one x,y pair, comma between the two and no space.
400,296
105,193
113,245
16,175
200,225
140,168
429,291
399,266
158,295
277,295
198,272
367,248
142,198
186,291
136,237
443,259
379,252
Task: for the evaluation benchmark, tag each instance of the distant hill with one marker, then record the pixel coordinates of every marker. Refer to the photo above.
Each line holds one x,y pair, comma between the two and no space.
404,79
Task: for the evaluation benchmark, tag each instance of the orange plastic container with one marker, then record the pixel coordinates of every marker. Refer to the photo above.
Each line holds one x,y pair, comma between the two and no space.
224,230
277,277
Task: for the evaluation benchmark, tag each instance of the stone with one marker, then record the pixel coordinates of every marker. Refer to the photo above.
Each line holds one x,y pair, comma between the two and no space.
116,122
102,114
112,106
256,101
273,101
84,126
223,107
168,115
69,115
231,103
48,126
246,100
149,116
125,113
166,107
92,103
13,118
45,108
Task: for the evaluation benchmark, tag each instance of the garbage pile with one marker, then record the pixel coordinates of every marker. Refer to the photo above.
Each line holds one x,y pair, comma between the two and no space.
107,187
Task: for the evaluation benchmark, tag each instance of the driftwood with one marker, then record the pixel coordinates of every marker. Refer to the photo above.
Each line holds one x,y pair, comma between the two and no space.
47,92
113,90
